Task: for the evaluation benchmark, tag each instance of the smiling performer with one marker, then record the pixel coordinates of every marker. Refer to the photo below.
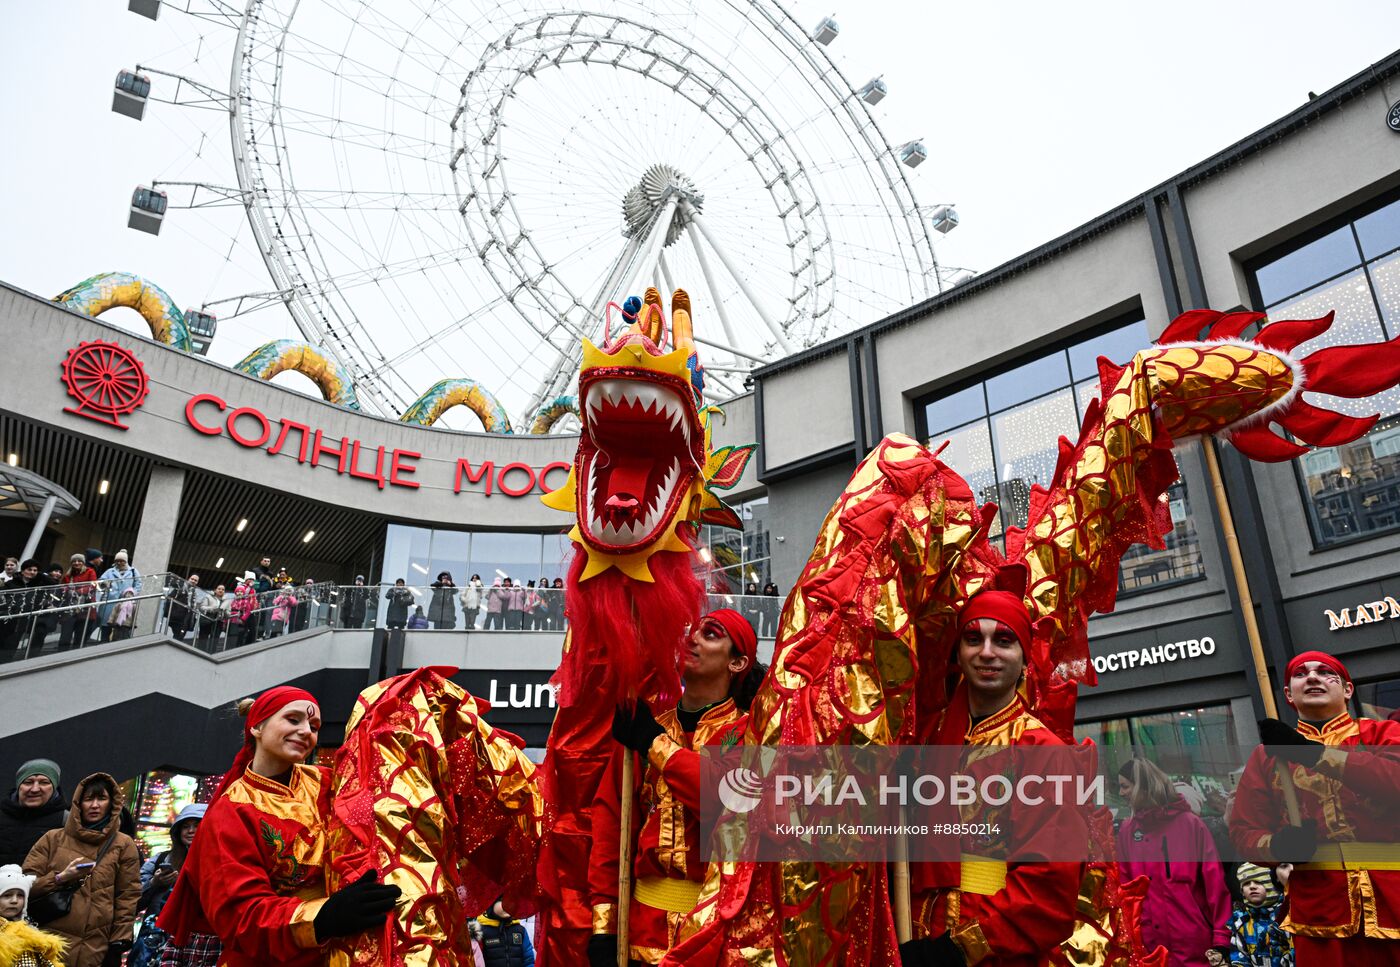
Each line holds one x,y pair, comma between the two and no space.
985,908
721,674
1344,892
255,875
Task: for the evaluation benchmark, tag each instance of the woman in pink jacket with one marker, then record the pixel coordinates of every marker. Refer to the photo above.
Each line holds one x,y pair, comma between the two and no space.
1188,907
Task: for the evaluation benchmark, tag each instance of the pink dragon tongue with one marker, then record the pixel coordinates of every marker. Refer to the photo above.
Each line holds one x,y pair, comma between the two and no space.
621,502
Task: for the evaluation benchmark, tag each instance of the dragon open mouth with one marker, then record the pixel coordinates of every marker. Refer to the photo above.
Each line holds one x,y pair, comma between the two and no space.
637,458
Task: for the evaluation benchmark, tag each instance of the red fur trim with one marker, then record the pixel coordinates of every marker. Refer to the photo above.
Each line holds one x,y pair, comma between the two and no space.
627,636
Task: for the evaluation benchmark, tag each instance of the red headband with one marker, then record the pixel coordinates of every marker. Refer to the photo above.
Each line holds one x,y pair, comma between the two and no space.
1001,606
1322,658
183,913
740,632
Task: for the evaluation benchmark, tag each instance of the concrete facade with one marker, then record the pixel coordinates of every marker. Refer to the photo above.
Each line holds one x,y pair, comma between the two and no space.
1186,243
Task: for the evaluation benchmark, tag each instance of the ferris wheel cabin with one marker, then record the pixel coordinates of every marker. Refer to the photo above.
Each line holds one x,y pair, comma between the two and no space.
130,95
146,8
913,153
825,32
944,219
201,326
874,91
147,210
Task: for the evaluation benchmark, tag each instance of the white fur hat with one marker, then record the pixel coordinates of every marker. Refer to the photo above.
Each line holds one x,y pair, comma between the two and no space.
13,877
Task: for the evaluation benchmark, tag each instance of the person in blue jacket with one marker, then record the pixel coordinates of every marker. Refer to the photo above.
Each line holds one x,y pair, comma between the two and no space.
504,940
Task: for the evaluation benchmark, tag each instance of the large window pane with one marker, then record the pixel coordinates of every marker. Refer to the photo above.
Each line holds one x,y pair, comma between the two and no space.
1119,345
1143,567
516,556
1027,381
1354,489
969,452
407,554
1356,322
1377,700
1026,444
955,410
1385,282
1307,266
558,553
451,552
1380,231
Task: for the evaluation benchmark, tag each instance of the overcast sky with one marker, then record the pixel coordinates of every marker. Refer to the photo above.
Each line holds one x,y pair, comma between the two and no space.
1038,117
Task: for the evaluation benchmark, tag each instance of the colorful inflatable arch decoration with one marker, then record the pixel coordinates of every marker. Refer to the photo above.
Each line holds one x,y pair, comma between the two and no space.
447,393
281,355
109,290
552,412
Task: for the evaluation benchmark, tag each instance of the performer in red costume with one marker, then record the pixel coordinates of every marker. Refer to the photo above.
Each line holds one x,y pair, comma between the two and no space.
1344,892
721,674
985,909
255,875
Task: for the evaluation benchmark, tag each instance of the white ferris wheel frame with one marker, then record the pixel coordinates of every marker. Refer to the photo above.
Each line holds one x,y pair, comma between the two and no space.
524,275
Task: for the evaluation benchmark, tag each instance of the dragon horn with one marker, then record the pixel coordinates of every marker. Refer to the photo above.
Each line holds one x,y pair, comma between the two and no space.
682,334
651,321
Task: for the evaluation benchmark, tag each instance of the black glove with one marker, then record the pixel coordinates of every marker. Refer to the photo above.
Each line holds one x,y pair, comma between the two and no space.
1295,844
602,950
1285,742
941,951
361,906
636,729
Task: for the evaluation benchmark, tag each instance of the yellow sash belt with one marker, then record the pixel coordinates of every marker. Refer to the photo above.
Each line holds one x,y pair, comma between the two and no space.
981,875
1354,856
666,893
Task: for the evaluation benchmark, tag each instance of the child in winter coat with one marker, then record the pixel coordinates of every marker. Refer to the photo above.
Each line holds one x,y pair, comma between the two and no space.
242,618
504,940
282,605
21,943
1256,939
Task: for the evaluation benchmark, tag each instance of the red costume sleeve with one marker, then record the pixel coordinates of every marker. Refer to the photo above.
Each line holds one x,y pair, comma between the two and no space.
238,898
1033,914
1367,773
680,767
1257,813
606,821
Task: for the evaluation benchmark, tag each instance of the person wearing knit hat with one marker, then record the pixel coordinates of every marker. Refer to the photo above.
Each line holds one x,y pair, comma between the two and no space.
989,911
1345,889
1256,939
720,675
34,807
22,944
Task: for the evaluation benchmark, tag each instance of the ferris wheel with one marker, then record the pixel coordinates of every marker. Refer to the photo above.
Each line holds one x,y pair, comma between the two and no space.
446,188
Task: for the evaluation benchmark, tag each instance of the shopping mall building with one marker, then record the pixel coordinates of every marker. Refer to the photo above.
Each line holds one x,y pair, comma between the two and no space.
1297,219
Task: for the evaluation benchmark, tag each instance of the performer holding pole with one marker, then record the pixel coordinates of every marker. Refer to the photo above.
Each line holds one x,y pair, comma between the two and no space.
721,674
984,909
1344,892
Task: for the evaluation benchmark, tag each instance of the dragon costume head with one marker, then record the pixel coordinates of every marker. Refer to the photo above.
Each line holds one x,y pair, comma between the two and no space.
645,476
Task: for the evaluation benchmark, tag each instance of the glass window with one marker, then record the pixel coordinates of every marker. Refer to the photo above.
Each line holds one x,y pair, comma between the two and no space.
1180,559
1379,232
1353,490
1315,262
1003,455
514,556
1378,700
969,451
739,562
558,553
959,408
407,554
1027,381
1199,748
451,552
1119,345
1027,442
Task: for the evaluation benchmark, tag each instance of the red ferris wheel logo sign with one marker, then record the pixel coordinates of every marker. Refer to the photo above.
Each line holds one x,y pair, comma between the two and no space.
107,381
